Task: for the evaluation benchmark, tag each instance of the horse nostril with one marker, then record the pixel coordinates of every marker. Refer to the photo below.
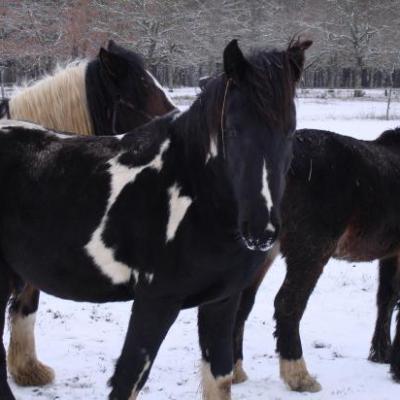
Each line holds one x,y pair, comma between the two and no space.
260,241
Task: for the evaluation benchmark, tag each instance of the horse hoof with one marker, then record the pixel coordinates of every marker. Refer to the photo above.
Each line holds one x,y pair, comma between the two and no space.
379,356
239,374
296,376
33,373
307,384
395,372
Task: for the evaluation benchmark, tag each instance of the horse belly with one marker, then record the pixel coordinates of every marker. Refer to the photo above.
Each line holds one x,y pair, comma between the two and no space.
357,246
62,271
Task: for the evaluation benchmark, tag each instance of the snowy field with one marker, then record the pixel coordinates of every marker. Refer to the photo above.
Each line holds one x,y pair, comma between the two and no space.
82,341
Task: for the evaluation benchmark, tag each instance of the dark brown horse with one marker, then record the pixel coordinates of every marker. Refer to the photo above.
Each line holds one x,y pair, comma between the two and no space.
341,200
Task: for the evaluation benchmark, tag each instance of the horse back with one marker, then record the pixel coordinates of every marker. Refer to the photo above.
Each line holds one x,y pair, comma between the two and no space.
338,192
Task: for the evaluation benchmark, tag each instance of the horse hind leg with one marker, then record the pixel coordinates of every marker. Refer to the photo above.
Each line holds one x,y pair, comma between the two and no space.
23,364
304,268
388,294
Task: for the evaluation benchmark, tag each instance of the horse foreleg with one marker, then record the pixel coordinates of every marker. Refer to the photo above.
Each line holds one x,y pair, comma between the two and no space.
5,292
148,325
388,294
303,272
216,322
245,306
395,353
23,364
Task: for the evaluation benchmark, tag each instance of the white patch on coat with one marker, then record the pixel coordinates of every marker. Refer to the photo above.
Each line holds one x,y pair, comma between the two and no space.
149,277
146,367
215,388
158,84
103,256
178,206
213,147
61,135
10,123
213,150
136,276
119,137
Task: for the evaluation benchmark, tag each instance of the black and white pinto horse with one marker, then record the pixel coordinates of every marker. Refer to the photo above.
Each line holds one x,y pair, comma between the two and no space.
341,200
109,95
178,213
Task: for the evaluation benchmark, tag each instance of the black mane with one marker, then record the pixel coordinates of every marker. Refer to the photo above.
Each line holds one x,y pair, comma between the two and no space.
269,85
390,137
103,94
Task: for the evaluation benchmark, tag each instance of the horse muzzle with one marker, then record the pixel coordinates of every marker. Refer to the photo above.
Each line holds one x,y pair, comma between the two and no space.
260,242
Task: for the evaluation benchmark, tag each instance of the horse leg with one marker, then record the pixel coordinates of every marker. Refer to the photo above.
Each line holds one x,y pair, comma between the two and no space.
303,272
23,364
5,292
215,323
148,325
388,294
245,306
395,354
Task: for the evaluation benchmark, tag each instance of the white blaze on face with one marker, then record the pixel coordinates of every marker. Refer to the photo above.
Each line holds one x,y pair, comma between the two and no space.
158,84
178,206
266,193
103,256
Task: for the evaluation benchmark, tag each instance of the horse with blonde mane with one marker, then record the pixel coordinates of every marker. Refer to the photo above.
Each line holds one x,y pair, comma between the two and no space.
110,94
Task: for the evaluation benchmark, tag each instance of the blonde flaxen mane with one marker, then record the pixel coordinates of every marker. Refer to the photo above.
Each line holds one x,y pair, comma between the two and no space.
57,101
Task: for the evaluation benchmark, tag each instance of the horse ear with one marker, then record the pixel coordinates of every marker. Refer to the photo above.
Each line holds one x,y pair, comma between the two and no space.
235,64
296,51
111,44
114,64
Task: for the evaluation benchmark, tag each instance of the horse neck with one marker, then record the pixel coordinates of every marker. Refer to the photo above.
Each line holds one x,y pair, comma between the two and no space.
57,102
201,172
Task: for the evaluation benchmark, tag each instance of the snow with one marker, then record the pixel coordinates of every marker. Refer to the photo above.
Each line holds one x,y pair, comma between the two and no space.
82,341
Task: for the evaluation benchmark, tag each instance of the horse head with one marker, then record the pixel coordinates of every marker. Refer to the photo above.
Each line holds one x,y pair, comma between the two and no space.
135,95
258,121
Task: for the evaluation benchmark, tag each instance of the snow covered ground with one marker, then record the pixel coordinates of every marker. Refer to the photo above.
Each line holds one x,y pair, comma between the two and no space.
82,341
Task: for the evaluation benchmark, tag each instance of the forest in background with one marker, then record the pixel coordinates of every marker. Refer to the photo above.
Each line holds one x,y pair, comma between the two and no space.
356,42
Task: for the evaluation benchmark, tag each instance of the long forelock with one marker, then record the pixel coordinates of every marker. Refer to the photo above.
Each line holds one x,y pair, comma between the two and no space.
270,85
57,101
